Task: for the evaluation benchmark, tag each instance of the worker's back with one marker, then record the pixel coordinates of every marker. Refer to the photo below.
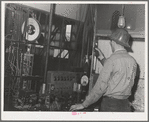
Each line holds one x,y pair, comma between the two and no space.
122,76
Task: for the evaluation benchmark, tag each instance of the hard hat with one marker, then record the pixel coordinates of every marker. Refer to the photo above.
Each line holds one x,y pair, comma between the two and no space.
121,36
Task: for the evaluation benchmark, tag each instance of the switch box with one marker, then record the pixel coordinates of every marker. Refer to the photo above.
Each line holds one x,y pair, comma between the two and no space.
61,82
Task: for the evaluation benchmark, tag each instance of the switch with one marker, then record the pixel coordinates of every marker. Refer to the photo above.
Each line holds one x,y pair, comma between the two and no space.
62,78
58,78
67,78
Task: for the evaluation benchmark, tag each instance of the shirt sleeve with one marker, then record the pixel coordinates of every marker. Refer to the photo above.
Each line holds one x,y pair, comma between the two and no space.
101,85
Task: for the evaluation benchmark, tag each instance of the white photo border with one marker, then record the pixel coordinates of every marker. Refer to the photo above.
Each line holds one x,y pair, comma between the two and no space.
83,116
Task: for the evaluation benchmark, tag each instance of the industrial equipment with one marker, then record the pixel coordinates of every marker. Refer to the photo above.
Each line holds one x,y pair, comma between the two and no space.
41,71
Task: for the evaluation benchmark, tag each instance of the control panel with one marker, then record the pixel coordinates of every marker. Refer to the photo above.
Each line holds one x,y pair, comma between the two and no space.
62,82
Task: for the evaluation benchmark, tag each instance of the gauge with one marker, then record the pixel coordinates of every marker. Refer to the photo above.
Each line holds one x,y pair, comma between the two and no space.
84,80
32,29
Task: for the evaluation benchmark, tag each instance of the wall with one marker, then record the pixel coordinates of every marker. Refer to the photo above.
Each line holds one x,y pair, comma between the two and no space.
67,10
45,7
73,11
139,55
134,15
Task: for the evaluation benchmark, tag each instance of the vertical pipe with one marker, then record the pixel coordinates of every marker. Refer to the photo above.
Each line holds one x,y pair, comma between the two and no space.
83,39
92,60
123,7
39,17
43,58
61,39
48,41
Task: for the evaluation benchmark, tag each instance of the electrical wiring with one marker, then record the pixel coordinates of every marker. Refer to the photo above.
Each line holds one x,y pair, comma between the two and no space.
15,70
8,35
12,59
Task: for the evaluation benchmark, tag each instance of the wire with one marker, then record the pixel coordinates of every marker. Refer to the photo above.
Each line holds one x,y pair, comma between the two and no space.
8,35
123,8
12,60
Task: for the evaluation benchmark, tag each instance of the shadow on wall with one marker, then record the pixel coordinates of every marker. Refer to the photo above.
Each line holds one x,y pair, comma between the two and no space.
130,43
134,88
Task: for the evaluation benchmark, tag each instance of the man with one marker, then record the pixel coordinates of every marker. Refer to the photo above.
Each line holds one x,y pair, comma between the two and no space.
116,78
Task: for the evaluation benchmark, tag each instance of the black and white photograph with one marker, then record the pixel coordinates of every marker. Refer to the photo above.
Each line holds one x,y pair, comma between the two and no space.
74,60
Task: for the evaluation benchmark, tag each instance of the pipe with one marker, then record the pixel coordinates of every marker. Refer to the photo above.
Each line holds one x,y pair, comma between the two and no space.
48,41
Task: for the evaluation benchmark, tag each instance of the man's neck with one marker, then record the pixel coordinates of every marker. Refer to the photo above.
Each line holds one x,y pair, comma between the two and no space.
119,49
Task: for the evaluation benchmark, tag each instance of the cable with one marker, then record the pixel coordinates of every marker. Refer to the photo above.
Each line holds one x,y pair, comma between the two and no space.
123,7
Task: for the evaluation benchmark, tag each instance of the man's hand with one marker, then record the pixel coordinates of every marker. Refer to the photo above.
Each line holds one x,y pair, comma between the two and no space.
76,107
99,54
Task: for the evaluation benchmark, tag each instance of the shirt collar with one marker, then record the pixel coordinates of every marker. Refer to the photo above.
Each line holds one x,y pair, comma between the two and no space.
119,50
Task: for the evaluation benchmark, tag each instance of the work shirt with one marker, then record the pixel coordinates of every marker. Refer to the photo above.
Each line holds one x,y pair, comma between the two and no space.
116,78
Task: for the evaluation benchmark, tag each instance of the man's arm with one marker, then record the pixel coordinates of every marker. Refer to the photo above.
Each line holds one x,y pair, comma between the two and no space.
100,56
101,85
102,60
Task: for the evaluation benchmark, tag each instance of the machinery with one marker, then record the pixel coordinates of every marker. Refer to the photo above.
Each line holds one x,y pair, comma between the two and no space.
31,83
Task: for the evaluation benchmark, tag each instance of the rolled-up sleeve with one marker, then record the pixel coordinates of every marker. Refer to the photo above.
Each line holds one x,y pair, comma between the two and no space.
101,85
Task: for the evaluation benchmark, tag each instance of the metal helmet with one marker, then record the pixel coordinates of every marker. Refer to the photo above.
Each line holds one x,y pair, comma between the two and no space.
121,36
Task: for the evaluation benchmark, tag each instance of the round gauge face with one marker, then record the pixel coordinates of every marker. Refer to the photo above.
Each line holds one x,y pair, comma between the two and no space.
84,80
32,29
